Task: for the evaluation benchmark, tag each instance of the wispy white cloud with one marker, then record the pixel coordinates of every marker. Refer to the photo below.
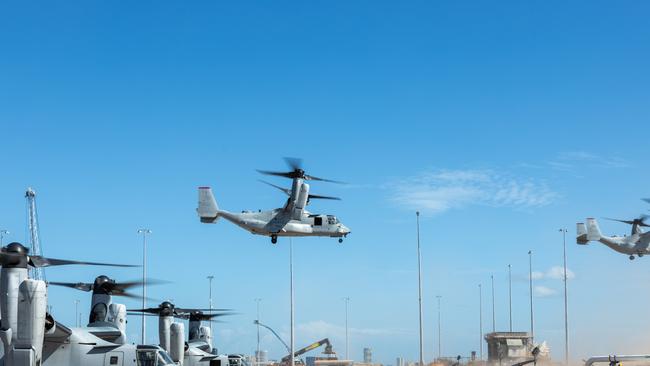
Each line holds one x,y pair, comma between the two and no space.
440,191
321,328
571,160
543,291
557,273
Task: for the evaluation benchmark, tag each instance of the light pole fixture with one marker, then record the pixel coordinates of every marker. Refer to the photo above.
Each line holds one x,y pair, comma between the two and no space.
257,322
417,214
3,232
144,233
566,307
493,311
530,284
210,278
480,320
76,313
292,340
439,330
510,294
347,343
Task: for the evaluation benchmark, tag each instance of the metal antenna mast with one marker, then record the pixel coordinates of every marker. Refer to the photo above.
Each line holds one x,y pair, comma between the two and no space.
34,239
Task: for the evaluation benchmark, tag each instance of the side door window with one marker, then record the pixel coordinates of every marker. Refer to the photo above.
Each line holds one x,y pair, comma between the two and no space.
114,359
318,221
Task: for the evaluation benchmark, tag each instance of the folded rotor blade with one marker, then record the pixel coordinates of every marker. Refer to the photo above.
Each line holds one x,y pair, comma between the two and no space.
38,261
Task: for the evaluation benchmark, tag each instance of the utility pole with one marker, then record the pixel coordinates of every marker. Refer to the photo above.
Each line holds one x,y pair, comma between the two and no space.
3,232
210,278
293,351
510,294
144,233
480,320
420,288
530,284
347,344
76,312
566,307
493,311
257,354
439,330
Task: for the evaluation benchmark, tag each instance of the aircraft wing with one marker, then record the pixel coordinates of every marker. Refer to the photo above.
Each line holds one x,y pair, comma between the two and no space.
277,223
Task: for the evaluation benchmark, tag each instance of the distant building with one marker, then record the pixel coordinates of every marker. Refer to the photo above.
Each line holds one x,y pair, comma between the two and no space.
367,355
400,362
508,346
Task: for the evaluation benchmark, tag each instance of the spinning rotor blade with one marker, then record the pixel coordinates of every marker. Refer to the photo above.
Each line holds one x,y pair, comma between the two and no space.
38,261
87,287
202,317
639,221
286,191
298,172
294,163
186,310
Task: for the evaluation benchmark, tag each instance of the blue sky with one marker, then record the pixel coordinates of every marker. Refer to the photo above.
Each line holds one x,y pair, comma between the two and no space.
501,122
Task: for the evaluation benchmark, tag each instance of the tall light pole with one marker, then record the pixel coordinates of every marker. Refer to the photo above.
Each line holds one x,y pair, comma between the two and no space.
3,232
257,354
144,233
439,330
210,278
292,315
510,294
347,344
417,214
530,284
566,308
480,320
494,329
76,312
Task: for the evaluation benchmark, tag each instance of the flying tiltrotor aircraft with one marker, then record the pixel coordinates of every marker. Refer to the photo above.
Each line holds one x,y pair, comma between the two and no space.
198,350
32,337
290,220
636,244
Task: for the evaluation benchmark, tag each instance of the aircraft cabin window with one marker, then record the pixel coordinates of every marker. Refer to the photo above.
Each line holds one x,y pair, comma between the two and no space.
113,360
318,221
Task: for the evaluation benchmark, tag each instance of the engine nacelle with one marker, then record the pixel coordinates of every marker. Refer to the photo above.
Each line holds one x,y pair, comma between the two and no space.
301,201
32,308
164,331
177,342
205,334
117,316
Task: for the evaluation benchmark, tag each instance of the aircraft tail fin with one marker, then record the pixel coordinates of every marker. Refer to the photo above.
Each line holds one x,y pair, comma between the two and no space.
581,233
593,232
208,210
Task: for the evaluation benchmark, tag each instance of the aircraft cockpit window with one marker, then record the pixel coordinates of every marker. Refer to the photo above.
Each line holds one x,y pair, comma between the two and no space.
164,359
147,358
332,220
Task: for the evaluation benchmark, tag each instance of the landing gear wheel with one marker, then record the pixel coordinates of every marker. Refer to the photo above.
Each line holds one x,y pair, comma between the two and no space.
340,240
274,239
640,255
631,257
